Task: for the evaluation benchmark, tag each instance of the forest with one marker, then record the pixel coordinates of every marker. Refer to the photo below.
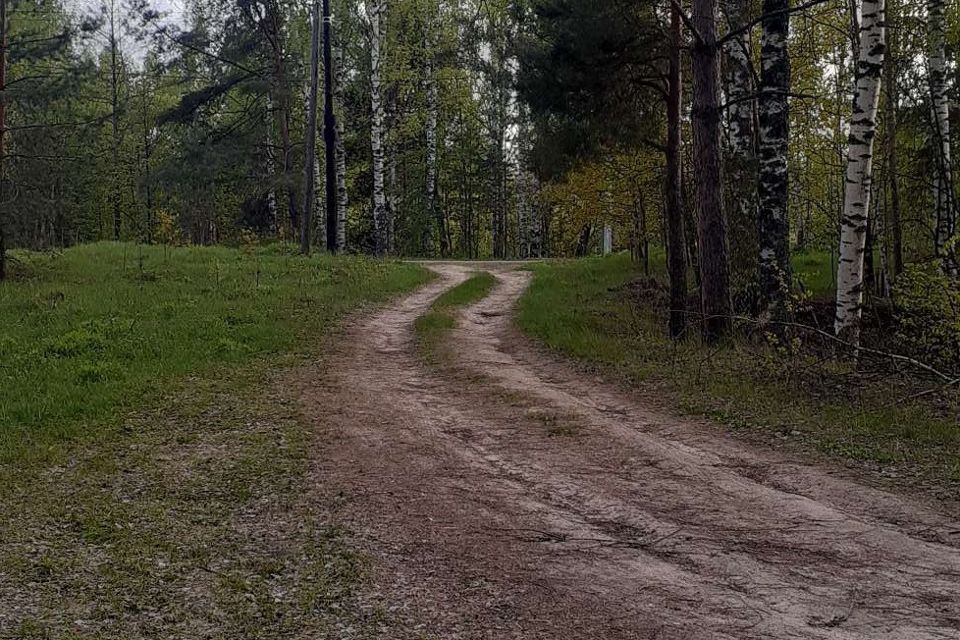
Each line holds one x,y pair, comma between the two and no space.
729,136
436,319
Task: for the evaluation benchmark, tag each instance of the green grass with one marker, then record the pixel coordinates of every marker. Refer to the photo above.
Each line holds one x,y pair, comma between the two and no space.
434,325
814,271
91,333
586,310
156,474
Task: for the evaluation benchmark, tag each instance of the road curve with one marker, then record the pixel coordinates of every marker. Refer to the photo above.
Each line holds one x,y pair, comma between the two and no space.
505,495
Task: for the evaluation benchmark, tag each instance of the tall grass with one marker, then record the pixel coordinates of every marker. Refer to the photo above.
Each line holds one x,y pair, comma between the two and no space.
88,334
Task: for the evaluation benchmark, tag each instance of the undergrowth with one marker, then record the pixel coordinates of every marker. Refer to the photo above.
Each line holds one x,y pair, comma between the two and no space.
604,313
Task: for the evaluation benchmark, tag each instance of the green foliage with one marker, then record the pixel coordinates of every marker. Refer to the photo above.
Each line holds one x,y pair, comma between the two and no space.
928,315
86,334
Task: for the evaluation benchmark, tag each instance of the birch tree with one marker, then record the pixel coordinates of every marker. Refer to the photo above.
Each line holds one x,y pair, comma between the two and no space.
741,139
432,117
773,186
943,196
310,171
376,14
859,172
343,200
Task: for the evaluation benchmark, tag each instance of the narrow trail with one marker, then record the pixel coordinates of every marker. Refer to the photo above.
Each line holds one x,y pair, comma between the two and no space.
508,496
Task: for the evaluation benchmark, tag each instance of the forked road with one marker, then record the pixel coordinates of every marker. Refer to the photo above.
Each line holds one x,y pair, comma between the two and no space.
515,498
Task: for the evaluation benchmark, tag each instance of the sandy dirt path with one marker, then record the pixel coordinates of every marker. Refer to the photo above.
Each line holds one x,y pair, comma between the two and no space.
511,497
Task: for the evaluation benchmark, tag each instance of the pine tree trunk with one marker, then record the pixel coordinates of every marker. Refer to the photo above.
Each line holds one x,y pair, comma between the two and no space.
892,228
943,195
773,186
859,176
677,264
741,160
343,200
376,13
711,223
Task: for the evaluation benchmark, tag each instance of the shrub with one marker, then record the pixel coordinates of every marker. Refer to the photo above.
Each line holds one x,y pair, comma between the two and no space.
928,315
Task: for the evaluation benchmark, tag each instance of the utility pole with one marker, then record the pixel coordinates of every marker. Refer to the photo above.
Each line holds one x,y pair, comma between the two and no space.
311,142
329,133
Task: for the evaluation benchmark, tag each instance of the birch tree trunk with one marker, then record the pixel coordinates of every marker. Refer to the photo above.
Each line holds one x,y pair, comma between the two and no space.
430,80
115,119
311,169
677,264
773,184
271,167
331,218
376,12
943,196
859,176
340,151
741,157
711,223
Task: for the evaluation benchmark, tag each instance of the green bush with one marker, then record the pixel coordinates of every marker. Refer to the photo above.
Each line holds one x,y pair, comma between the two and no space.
928,315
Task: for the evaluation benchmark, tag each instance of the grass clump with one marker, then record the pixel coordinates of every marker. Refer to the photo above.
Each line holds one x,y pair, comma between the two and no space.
602,312
434,325
91,332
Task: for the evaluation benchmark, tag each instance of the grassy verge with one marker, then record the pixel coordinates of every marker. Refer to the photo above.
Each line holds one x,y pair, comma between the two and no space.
588,310
434,325
89,334
186,509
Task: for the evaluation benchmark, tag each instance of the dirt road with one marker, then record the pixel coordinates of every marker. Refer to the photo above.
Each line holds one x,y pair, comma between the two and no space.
510,497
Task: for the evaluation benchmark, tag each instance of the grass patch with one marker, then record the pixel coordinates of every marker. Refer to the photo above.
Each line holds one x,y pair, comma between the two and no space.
177,501
91,333
434,325
587,309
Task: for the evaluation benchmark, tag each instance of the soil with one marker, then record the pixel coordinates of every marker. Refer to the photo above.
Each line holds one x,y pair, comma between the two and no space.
504,494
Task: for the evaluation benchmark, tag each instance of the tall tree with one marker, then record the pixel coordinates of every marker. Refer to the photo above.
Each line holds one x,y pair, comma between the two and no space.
330,135
893,230
341,153
859,172
376,14
677,264
310,146
943,194
774,119
741,160
716,305
432,118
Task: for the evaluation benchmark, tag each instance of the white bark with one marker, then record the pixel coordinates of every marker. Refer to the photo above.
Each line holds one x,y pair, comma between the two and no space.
859,177
376,13
343,199
943,196
431,136
271,166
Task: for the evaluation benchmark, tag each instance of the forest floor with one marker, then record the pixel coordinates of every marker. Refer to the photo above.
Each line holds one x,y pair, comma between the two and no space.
500,493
